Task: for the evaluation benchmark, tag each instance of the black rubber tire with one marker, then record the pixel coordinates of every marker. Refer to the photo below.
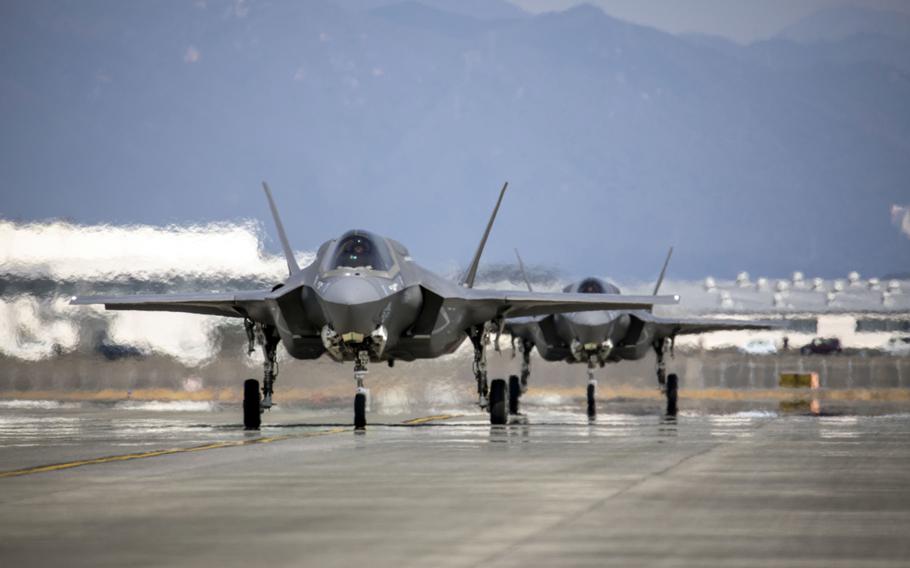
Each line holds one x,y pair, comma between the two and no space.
672,393
514,393
252,414
592,401
360,411
499,413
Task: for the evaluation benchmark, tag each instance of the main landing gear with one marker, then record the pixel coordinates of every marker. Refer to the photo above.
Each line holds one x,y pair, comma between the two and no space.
497,397
253,406
669,384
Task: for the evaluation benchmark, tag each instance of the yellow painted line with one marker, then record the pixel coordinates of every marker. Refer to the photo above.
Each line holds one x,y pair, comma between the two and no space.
425,419
166,452
213,446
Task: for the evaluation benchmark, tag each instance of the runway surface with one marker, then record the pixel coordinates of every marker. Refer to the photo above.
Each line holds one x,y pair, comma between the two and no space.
180,484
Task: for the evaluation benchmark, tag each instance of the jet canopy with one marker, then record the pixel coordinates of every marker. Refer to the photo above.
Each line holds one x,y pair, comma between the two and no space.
592,286
360,249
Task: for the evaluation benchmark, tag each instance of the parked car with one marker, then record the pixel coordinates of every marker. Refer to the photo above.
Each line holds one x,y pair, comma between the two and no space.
822,346
899,346
759,347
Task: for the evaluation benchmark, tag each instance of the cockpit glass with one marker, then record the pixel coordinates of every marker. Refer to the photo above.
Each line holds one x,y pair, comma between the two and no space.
357,250
590,286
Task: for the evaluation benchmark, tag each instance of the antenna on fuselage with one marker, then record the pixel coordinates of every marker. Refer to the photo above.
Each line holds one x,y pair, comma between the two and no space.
521,266
468,280
293,267
663,271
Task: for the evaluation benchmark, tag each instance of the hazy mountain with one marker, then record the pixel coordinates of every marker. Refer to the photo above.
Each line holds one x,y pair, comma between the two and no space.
477,9
619,140
840,22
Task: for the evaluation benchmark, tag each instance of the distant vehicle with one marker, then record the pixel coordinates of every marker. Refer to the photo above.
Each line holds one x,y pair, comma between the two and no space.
822,346
899,346
115,352
759,347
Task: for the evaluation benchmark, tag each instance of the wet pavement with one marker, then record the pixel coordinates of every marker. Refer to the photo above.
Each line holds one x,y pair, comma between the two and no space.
180,484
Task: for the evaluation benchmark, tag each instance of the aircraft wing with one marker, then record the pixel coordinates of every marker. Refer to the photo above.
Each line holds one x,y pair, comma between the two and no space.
514,304
667,327
229,304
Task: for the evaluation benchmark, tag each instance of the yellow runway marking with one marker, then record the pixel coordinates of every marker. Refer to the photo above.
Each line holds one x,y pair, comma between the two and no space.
212,446
167,452
425,419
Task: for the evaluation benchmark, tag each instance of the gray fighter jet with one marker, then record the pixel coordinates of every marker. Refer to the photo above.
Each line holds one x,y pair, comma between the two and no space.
364,300
596,338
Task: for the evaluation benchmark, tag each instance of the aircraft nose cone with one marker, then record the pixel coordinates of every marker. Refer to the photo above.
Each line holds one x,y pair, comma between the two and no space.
353,305
351,290
591,327
591,334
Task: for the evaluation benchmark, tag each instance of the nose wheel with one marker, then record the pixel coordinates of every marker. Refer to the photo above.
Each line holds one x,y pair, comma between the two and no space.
592,390
360,411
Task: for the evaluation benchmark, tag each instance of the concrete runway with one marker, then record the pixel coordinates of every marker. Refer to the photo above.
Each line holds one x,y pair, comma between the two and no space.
728,487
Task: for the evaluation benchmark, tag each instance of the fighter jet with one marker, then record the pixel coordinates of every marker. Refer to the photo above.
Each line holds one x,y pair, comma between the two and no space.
596,338
365,300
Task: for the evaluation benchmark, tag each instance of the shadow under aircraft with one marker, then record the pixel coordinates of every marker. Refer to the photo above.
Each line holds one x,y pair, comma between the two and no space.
596,338
365,300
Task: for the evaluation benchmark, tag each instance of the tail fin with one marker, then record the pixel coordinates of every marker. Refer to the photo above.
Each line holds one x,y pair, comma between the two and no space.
521,266
293,267
663,271
468,280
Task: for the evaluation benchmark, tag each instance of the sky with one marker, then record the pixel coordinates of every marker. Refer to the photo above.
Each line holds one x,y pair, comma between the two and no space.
743,21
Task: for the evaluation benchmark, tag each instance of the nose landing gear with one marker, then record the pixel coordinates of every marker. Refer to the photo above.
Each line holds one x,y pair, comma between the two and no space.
360,397
592,389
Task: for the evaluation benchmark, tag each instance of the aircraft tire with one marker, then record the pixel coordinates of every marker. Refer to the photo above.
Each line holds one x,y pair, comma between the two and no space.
672,393
514,393
499,413
592,401
360,411
252,415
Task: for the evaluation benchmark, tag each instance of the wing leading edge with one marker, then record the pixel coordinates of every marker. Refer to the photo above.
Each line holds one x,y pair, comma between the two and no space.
685,326
228,304
513,304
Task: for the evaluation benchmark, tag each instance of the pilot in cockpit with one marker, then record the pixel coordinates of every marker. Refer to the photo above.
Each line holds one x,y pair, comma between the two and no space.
354,252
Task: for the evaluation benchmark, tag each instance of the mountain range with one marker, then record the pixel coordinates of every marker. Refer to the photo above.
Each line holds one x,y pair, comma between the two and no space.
405,117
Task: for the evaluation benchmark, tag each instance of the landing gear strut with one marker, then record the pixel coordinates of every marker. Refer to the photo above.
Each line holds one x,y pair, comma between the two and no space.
480,337
360,398
525,347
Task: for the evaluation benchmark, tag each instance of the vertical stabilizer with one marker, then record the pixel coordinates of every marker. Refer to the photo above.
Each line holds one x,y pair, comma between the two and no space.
468,280
521,266
663,271
293,267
